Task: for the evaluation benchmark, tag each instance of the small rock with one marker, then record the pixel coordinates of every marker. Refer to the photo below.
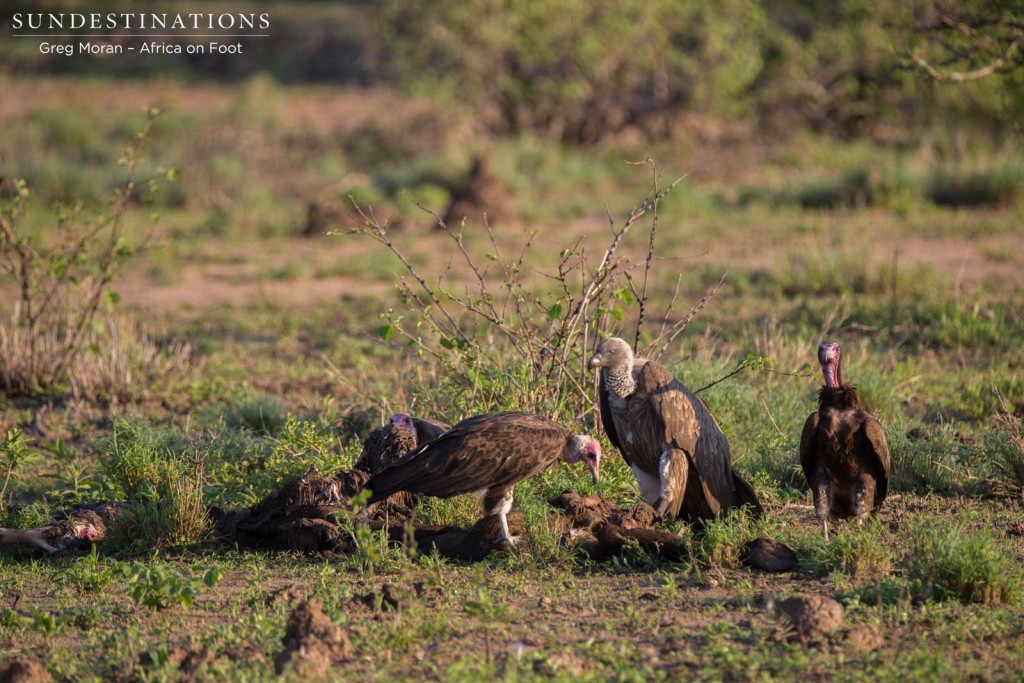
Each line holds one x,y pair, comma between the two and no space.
768,555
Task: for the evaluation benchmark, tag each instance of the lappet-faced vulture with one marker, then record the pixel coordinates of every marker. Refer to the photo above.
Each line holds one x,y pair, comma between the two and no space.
843,450
486,454
668,436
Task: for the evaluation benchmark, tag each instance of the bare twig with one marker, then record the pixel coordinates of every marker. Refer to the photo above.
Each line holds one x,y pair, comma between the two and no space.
678,328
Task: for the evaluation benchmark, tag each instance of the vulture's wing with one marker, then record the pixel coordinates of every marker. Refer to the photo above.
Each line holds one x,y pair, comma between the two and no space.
428,430
690,427
669,407
878,448
607,421
485,451
807,452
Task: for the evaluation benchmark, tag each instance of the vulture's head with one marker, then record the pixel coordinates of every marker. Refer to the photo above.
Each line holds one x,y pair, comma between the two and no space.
829,354
403,420
587,449
612,353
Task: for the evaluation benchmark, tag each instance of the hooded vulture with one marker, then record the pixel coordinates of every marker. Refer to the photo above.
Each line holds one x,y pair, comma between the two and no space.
486,454
401,434
667,435
843,450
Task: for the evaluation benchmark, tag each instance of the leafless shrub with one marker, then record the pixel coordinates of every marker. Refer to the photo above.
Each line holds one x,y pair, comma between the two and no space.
62,286
551,331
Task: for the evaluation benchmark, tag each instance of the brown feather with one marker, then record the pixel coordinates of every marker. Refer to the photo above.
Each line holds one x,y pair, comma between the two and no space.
664,414
844,455
428,430
384,446
491,451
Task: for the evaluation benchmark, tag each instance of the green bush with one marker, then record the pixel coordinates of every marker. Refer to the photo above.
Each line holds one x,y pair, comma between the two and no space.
162,475
577,70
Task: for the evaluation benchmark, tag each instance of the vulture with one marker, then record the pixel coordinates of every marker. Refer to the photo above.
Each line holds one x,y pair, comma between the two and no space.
668,436
486,454
400,435
843,450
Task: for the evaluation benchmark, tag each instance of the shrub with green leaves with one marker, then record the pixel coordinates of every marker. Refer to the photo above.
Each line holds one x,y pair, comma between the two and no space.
162,475
157,586
14,455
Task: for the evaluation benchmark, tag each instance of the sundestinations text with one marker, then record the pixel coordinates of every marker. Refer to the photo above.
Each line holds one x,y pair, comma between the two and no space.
95,21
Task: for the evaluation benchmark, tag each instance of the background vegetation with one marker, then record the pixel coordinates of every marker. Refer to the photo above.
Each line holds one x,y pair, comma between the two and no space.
852,169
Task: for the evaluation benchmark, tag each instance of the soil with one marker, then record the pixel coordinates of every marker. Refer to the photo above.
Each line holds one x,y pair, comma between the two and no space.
24,669
313,644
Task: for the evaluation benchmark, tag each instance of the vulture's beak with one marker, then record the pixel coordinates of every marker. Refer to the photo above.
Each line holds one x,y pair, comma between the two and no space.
595,360
594,470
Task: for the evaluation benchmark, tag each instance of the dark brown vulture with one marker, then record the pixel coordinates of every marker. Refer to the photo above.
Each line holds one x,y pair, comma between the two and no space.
842,449
401,434
486,454
678,453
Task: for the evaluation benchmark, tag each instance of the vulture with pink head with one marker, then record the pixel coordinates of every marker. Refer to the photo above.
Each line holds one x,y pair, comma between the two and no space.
401,434
486,454
668,436
843,450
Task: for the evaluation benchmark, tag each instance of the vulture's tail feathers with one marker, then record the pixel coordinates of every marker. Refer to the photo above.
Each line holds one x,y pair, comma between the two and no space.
745,495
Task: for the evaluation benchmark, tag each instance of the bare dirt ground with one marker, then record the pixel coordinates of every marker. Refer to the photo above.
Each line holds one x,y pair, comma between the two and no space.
967,262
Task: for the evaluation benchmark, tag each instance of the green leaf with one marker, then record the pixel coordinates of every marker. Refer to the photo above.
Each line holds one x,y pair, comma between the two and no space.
173,174
212,576
617,313
555,311
385,331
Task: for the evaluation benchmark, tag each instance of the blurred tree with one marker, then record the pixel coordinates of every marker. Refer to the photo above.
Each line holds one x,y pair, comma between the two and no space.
965,41
577,69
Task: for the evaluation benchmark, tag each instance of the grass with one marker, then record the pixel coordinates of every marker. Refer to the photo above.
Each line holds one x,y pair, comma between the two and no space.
247,355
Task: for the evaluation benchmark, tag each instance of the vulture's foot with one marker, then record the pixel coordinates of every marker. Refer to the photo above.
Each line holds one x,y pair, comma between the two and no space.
824,528
506,537
661,507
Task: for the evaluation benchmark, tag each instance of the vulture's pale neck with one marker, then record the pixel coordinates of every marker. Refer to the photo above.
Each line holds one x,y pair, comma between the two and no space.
619,379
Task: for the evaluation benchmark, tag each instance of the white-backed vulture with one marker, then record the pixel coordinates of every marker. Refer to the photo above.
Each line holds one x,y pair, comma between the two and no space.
668,436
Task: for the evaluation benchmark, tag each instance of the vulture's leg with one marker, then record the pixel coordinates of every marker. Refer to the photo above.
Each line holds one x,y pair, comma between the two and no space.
499,503
674,469
822,504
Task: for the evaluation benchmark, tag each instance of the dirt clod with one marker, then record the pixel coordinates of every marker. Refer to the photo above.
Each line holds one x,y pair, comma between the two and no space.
23,669
810,618
768,555
864,639
313,643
